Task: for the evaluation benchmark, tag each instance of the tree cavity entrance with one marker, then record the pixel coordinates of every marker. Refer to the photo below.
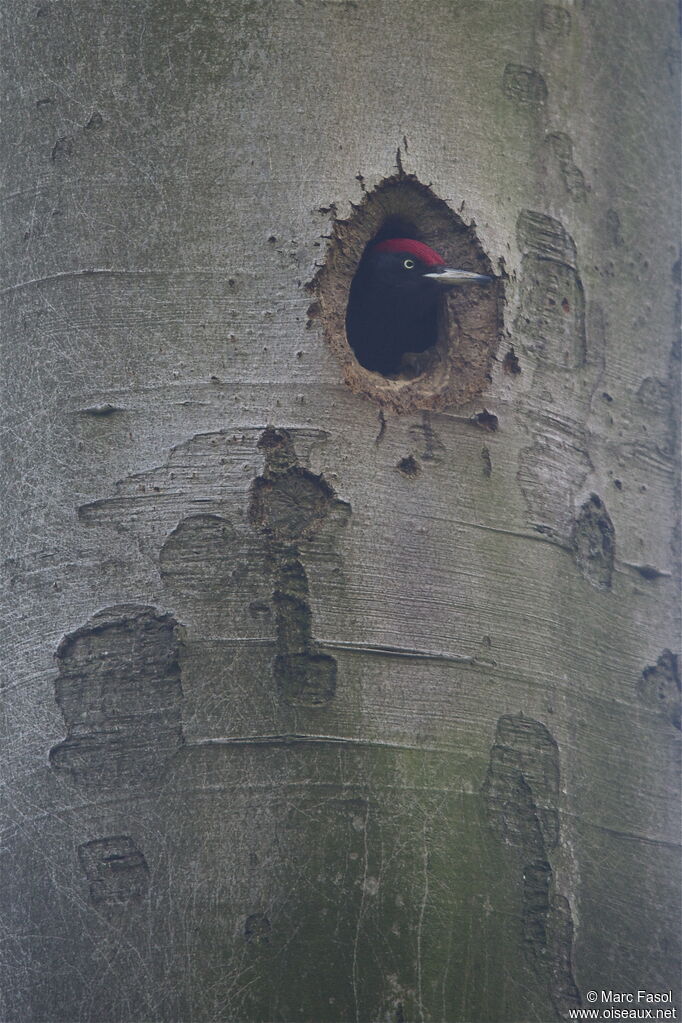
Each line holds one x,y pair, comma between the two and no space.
454,364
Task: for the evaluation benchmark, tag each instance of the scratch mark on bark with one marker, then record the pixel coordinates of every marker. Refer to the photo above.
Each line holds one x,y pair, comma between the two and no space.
100,271
360,915
632,836
107,409
420,925
649,572
382,427
296,739
394,651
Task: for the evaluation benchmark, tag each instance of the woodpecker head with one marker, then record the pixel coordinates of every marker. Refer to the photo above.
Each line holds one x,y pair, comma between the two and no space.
410,268
394,301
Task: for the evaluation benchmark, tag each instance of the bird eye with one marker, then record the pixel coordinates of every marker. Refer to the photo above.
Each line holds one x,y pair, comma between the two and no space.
409,264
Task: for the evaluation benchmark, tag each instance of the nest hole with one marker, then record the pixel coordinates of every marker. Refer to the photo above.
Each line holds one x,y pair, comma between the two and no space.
456,368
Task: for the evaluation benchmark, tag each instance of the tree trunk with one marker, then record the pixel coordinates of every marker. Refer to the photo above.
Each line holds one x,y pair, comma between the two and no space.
330,696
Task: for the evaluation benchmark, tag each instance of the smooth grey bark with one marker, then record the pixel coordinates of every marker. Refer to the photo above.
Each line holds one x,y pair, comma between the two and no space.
355,714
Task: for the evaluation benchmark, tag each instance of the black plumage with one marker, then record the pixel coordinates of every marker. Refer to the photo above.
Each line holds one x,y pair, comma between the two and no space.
394,300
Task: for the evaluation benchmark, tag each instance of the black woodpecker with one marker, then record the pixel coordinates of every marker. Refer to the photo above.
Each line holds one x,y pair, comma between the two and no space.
393,302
